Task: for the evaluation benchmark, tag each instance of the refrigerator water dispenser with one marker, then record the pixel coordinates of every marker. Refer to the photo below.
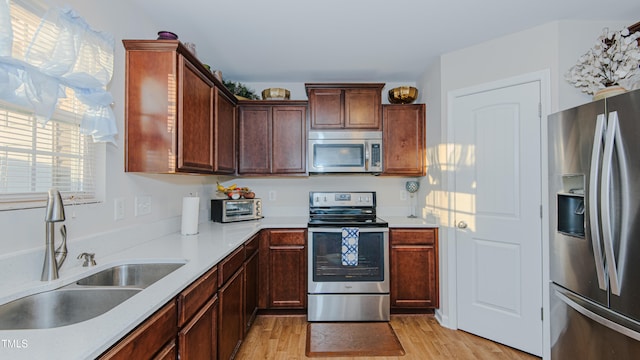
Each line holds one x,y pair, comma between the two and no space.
571,214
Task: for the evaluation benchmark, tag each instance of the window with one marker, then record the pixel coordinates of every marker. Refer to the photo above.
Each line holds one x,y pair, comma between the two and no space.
35,157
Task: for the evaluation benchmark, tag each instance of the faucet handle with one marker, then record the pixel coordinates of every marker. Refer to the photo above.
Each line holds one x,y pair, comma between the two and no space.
88,259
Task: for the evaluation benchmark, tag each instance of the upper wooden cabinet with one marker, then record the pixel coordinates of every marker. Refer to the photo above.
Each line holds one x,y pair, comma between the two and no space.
225,134
345,106
403,136
272,137
178,117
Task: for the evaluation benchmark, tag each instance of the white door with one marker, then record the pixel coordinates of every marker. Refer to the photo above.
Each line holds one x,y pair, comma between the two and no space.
498,219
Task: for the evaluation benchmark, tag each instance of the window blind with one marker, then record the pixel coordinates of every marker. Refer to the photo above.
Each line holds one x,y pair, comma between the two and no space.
36,157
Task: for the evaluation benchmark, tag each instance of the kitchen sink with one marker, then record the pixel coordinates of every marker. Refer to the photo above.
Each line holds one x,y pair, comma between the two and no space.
64,306
130,275
85,299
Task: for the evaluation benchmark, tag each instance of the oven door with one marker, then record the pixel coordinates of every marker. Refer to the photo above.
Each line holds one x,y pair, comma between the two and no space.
327,274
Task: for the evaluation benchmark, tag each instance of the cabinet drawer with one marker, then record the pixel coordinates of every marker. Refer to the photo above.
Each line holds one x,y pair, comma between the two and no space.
149,338
251,246
193,297
287,237
412,236
230,265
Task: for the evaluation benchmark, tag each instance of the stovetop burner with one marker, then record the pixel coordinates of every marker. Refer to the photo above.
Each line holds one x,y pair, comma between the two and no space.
344,209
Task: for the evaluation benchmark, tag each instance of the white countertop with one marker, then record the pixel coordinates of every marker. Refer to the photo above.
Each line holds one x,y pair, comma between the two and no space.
90,338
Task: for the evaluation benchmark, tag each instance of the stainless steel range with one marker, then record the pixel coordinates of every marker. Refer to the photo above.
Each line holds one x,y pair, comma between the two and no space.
348,258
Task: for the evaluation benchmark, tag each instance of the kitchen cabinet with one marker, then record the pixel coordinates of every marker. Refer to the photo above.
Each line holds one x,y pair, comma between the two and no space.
197,320
251,281
414,268
403,134
171,120
272,137
153,339
225,134
198,338
231,312
283,264
345,106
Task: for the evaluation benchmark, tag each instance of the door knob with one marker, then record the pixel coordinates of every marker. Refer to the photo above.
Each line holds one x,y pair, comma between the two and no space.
462,225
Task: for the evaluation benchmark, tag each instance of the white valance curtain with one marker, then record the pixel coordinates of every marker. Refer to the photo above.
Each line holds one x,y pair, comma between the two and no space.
64,52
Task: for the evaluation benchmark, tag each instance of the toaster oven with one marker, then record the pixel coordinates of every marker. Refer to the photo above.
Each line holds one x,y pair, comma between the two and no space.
228,210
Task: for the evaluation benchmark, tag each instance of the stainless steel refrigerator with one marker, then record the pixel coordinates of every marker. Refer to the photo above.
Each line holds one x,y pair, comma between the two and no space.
594,200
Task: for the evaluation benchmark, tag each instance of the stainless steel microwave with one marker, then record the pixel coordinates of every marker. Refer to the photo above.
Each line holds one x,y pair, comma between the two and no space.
345,152
228,210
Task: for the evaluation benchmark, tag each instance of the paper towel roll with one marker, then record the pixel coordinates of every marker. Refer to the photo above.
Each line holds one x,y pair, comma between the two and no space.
190,211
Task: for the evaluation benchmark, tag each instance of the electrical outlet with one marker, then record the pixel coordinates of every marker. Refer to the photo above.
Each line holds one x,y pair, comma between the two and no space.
143,205
272,195
118,208
403,195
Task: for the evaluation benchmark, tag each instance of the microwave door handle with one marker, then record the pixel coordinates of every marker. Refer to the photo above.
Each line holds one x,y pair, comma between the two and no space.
367,158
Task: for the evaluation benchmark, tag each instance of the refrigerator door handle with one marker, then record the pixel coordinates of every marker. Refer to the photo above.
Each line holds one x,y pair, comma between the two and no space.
581,307
605,184
594,179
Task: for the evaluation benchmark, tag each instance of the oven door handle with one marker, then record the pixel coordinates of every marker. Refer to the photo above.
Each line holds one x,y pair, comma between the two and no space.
339,229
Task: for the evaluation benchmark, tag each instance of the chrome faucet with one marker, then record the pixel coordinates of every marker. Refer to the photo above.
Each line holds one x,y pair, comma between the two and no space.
53,259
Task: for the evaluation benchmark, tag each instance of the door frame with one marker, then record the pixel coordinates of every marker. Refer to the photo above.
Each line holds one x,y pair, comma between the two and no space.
544,78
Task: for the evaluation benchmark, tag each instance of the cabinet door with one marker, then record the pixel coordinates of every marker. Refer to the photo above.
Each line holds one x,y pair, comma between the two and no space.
230,316
197,340
414,275
404,139
149,338
362,109
287,269
251,274
225,135
289,140
169,352
195,120
326,106
254,140
150,110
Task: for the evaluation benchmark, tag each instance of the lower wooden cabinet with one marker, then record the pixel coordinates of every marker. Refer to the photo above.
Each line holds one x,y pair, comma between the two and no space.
197,339
283,269
230,316
150,339
251,283
197,318
414,268
169,352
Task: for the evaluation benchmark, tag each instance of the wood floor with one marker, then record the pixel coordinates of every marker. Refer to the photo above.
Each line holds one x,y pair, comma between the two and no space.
284,337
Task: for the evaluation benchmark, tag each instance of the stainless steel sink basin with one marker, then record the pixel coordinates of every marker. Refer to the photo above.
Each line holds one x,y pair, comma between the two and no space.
64,306
89,297
130,275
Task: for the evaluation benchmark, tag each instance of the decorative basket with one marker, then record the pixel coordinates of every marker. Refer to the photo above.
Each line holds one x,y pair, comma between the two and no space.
275,94
403,95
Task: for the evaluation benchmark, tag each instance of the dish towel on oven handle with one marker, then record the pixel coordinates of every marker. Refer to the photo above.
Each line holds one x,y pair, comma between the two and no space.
350,238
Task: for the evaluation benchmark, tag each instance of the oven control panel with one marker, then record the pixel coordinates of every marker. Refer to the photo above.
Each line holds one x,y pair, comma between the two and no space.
342,199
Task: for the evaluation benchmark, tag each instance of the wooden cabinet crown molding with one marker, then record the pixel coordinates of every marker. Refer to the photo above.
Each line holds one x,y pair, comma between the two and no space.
310,86
179,48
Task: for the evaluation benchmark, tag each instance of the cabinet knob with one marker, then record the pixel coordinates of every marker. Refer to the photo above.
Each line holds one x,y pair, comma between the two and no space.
462,225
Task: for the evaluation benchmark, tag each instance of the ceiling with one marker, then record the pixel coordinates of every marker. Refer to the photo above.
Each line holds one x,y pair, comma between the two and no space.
353,40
